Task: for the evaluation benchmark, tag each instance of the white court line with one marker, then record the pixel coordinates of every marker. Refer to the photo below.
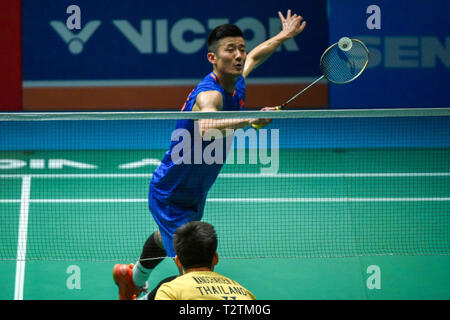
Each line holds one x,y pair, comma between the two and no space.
79,175
311,200
22,238
111,200
245,200
336,175
240,175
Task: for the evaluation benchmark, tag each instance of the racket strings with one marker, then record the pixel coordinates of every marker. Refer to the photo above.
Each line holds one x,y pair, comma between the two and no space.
340,66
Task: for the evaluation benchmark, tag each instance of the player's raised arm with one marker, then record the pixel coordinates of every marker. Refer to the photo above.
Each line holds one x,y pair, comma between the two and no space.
291,26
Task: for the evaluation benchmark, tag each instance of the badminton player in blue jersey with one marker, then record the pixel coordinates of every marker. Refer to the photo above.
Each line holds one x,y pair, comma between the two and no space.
179,188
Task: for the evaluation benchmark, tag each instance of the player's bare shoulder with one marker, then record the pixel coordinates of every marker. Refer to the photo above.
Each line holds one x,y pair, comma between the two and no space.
208,101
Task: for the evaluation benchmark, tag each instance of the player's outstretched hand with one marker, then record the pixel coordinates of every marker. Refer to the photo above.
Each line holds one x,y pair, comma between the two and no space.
292,25
259,123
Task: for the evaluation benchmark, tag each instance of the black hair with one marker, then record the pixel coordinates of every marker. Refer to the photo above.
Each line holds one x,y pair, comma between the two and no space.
220,32
195,244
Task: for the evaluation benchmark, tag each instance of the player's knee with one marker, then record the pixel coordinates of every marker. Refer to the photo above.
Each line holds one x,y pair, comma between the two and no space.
158,239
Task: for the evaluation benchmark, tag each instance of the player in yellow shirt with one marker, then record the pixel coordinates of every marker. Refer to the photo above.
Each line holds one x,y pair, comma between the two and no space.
195,245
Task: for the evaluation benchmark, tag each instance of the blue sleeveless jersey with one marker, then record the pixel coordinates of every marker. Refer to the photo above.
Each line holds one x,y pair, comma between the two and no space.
185,184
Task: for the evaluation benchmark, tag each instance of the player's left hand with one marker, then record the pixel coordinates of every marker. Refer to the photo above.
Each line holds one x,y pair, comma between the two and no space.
292,25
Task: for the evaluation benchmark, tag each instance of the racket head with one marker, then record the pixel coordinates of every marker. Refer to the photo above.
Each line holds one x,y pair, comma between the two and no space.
339,66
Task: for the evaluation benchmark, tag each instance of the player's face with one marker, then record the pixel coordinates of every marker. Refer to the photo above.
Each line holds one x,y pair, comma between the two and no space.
231,56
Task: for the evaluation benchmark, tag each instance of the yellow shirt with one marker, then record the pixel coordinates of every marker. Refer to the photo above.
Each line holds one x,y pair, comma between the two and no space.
203,285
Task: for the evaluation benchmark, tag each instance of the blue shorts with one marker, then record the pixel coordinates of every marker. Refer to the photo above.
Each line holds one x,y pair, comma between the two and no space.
169,217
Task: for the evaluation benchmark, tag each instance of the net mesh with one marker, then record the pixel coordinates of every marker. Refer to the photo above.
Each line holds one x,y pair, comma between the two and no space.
310,184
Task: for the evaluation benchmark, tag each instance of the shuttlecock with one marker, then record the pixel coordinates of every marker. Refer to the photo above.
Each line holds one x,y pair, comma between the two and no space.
345,43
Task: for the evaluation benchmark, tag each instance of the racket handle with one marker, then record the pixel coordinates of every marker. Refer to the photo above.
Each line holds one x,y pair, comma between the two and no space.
258,126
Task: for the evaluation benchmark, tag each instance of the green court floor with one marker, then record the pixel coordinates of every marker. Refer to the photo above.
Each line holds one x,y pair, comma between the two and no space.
400,277
331,224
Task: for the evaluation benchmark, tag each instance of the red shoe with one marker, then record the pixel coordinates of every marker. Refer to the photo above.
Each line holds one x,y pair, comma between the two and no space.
123,277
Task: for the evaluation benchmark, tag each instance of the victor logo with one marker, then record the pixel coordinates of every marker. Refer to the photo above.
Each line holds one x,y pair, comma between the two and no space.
75,41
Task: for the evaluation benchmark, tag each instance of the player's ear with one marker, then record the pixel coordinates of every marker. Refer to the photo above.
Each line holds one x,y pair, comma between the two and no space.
212,58
215,259
178,263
